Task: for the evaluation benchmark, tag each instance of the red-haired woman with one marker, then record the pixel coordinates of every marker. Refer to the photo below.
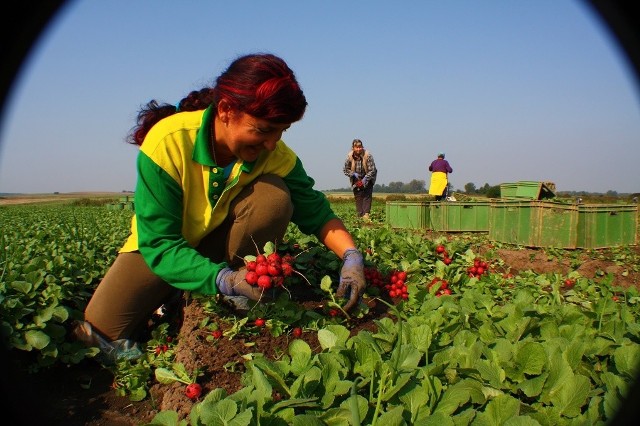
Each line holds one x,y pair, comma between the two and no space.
215,180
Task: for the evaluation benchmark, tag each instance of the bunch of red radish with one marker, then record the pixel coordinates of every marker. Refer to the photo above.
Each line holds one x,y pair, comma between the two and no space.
397,286
374,277
394,284
442,251
270,270
442,286
160,349
479,268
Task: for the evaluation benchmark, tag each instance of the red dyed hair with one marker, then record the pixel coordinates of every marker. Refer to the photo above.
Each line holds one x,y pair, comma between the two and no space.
261,85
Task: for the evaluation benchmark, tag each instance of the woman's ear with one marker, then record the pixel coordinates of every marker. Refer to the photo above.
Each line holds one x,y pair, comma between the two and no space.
224,111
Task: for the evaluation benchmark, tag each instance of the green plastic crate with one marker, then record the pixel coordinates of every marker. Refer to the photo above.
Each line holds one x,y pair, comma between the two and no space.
555,225
534,223
407,214
460,216
601,226
510,222
508,190
526,189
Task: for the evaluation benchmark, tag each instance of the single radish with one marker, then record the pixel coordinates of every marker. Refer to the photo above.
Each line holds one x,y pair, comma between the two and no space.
262,269
274,269
251,277
287,269
264,281
193,391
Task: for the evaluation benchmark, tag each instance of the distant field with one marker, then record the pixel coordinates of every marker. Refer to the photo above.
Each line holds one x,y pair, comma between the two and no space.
56,198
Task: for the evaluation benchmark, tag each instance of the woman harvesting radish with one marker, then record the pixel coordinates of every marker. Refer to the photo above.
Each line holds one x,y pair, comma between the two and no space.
215,180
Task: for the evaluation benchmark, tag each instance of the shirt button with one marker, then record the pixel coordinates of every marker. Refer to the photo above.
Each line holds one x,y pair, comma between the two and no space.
215,170
215,184
215,197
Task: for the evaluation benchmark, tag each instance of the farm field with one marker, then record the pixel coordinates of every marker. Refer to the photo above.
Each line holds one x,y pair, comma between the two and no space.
542,337
22,199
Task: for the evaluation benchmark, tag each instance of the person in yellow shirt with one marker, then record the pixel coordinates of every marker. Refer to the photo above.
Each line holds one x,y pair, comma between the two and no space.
215,180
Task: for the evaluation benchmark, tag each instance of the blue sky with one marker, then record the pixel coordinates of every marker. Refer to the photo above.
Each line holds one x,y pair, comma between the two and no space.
509,90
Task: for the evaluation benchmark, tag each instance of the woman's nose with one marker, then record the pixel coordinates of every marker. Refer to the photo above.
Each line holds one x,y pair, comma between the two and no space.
270,144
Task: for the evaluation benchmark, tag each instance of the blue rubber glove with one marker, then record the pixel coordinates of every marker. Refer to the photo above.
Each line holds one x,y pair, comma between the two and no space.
365,181
111,351
355,175
352,277
232,283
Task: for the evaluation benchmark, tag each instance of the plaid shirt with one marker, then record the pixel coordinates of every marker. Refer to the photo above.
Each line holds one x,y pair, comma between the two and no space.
357,165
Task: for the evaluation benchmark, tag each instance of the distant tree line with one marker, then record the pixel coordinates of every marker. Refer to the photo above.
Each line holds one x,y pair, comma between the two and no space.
414,187
487,190
417,186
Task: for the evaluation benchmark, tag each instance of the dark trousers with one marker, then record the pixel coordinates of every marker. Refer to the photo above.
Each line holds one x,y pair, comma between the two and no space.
445,193
363,200
130,292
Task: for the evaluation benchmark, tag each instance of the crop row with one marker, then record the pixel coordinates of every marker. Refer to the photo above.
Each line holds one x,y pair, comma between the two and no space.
531,348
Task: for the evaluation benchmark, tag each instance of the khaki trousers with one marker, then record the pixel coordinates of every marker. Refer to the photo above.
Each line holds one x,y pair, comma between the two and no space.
129,293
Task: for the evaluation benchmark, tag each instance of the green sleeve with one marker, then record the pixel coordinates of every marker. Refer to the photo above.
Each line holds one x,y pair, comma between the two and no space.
311,209
159,226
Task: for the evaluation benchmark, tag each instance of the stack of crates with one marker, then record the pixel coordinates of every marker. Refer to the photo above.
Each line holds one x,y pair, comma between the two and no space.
127,202
526,222
124,203
551,224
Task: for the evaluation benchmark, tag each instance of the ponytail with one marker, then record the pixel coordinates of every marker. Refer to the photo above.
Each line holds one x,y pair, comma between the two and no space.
153,112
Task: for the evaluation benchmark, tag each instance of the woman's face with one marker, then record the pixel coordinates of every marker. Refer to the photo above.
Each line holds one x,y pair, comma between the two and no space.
247,136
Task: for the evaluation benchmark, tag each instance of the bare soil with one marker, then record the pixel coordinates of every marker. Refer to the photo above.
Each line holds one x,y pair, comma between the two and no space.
82,394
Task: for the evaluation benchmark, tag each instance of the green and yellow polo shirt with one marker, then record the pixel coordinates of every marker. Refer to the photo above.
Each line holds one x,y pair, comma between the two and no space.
182,195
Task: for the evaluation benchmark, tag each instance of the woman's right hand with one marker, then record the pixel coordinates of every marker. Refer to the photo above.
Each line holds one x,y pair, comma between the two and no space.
352,280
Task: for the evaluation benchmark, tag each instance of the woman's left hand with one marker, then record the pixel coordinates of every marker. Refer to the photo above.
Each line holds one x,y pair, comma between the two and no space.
352,278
